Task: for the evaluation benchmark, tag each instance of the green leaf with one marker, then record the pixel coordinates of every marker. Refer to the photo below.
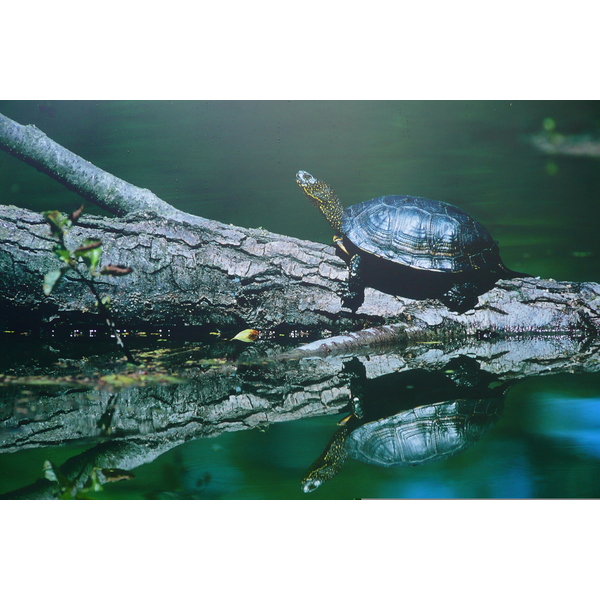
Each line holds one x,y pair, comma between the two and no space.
90,252
58,222
53,473
51,279
50,471
63,254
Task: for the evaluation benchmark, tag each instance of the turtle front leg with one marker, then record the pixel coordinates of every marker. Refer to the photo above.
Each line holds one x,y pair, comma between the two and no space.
353,291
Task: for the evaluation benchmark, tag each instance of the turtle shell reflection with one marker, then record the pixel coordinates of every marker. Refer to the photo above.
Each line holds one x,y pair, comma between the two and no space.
423,434
417,435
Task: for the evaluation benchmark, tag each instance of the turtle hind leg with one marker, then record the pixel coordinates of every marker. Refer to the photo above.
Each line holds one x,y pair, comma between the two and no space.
461,296
353,290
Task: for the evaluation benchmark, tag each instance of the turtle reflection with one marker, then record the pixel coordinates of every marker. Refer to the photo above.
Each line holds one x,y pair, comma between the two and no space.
431,416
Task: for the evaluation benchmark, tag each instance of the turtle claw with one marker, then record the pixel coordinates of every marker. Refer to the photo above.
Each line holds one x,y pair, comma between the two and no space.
352,299
353,290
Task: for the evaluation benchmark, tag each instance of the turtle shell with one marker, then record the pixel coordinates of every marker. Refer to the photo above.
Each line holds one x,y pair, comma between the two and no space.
423,434
420,233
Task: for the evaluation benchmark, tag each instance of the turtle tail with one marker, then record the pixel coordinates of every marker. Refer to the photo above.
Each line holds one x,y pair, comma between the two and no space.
506,273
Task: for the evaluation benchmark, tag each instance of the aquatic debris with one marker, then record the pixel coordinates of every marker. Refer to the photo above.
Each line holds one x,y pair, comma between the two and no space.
551,141
116,475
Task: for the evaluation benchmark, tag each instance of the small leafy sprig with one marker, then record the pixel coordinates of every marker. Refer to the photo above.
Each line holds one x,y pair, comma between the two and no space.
89,253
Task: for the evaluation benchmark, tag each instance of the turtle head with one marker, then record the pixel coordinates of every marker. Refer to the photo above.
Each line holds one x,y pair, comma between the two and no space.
328,465
324,198
310,484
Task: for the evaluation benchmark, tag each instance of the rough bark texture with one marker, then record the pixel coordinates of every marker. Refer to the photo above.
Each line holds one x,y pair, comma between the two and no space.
188,272
197,272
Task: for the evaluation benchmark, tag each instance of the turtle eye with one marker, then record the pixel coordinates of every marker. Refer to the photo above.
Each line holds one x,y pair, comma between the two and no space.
305,178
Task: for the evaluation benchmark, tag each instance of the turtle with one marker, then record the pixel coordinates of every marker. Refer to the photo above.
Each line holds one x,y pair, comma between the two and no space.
435,243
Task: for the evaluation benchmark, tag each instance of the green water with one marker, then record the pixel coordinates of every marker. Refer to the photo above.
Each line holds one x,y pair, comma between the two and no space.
236,161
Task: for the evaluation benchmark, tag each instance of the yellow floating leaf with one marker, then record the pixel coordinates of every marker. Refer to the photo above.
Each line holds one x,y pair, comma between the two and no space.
248,335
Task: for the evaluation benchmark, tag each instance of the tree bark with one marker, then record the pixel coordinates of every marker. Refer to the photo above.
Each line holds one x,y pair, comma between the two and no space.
191,272
199,272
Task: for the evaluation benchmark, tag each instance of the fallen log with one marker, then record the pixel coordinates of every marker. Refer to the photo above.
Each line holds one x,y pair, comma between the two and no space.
190,271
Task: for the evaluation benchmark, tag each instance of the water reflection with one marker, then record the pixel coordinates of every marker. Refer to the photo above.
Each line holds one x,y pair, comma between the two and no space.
465,403
440,407
572,422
